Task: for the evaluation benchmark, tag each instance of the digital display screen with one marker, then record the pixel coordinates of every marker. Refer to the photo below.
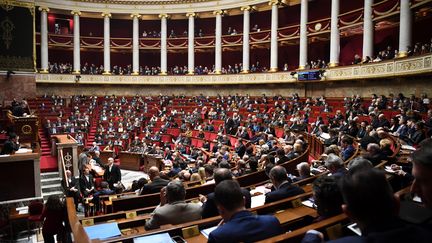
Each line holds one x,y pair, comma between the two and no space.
309,75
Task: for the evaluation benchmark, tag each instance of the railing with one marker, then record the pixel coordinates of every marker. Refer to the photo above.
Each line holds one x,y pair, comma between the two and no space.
387,69
63,175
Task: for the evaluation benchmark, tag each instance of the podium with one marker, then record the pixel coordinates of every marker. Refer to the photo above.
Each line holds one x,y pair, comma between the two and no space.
67,151
26,128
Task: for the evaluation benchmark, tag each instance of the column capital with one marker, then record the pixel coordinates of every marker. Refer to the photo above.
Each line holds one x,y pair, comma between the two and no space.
75,12
246,8
44,9
135,15
106,15
191,15
274,2
161,16
220,12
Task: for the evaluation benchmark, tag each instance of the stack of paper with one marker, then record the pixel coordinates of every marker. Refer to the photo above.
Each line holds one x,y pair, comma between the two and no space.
206,232
103,231
158,238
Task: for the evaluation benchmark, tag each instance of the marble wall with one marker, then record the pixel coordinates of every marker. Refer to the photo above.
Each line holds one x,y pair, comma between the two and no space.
18,85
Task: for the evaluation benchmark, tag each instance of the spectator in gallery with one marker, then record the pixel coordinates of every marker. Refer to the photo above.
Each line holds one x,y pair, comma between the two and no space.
357,59
172,34
285,67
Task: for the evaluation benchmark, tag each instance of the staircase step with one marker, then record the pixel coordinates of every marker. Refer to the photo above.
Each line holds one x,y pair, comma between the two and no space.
48,175
51,181
51,188
47,194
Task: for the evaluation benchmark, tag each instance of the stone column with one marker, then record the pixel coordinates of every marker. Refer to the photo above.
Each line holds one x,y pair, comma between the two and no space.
334,34
76,41
218,42
135,44
274,36
405,28
44,39
368,30
107,44
246,29
163,44
303,34
191,43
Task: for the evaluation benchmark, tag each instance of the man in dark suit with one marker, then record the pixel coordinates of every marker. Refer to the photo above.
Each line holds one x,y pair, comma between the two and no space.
240,225
11,145
112,173
282,157
229,125
209,208
156,183
71,188
284,188
348,149
240,149
369,201
86,183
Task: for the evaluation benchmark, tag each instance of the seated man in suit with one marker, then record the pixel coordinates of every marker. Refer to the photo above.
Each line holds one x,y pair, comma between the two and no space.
240,225
281,156
348,149
283,188
71,188
105,190
335,165
173,209
156,183
86,182
369,201
209,208
112,173
11,145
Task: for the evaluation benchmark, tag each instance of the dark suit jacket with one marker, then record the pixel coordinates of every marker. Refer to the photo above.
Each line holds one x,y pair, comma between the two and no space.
112,176
285,190
9,147
347,152
73,183
241,150
86,184
209,208
282,160
155,186
246,227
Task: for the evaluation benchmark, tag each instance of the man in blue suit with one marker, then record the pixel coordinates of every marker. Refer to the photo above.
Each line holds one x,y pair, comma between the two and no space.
284,188
240,225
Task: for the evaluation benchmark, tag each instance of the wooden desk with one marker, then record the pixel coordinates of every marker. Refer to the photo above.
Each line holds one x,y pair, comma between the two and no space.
130,161
27,184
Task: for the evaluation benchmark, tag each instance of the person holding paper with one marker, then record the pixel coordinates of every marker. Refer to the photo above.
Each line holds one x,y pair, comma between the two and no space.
11,145
240,225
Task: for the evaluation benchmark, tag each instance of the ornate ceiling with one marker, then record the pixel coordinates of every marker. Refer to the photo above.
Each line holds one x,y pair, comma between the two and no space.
145,2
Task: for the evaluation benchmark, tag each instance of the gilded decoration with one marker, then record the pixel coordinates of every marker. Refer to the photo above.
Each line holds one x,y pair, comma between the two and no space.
141,2
7,27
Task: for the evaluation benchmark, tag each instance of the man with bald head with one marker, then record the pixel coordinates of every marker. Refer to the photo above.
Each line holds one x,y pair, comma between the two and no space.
156,183
209,208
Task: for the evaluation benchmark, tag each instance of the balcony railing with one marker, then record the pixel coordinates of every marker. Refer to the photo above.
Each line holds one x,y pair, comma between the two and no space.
402,67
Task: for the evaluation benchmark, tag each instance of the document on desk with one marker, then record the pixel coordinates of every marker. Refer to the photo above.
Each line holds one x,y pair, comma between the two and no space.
206,232
23,151
157,238
102,231
257,201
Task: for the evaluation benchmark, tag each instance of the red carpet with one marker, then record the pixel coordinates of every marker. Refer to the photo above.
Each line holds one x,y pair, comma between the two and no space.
48,164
